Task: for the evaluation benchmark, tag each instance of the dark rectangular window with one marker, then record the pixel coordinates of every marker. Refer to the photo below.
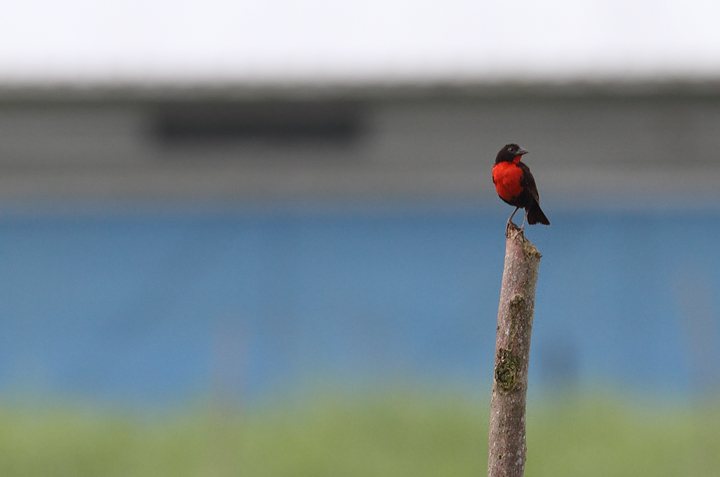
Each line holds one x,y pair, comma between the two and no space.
337,123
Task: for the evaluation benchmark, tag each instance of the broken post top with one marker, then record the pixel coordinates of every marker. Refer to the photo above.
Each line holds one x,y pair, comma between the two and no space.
513,232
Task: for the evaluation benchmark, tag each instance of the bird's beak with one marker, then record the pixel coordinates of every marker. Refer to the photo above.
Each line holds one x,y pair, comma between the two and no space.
522,151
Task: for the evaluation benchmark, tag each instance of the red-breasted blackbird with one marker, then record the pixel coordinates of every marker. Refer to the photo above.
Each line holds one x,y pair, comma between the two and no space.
516,186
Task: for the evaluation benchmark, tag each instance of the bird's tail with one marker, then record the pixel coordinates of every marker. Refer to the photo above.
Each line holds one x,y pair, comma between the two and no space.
535,215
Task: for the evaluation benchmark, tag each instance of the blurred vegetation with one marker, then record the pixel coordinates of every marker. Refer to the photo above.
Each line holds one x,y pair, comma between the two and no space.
384,434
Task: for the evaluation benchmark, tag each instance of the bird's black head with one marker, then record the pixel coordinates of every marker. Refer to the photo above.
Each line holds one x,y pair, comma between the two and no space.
509,153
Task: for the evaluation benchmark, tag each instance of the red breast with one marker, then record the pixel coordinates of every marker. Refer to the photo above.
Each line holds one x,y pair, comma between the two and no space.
507,177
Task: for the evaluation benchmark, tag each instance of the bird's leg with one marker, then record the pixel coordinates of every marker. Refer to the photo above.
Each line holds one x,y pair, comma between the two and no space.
522,228
511,215
507,226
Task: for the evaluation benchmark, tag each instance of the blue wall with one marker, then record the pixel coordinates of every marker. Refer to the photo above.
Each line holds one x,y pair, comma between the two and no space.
160,306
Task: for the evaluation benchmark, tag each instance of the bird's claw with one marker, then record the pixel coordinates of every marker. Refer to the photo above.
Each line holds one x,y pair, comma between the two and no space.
512,226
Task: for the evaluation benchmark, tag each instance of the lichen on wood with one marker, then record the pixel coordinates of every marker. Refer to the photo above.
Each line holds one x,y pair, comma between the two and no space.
506,371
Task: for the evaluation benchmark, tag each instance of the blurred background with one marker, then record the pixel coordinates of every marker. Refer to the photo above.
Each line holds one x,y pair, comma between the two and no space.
261,238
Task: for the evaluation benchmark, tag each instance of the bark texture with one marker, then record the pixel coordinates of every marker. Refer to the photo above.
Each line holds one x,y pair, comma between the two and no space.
507,449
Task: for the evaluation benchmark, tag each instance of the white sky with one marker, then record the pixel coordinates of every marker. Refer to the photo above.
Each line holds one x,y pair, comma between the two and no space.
176,41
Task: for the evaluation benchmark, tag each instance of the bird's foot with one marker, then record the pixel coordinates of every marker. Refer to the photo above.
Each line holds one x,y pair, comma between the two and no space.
512,227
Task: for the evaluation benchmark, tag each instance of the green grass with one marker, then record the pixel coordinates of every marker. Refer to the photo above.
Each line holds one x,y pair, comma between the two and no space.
602,436
394,434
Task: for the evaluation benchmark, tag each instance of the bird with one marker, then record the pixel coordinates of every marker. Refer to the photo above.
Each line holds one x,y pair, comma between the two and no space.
516,185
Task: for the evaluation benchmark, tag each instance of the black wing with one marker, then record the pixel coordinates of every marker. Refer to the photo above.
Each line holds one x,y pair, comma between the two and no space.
528,183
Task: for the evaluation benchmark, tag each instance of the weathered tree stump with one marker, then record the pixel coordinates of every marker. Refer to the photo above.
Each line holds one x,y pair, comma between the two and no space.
507,447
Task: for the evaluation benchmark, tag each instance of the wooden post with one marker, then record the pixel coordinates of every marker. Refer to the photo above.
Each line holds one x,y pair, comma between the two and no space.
507,449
